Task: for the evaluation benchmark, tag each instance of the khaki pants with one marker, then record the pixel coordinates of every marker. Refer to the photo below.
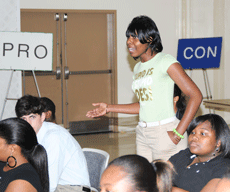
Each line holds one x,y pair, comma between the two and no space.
71,188
154,142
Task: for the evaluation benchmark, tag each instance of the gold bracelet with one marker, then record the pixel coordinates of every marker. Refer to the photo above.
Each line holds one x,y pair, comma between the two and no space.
178,134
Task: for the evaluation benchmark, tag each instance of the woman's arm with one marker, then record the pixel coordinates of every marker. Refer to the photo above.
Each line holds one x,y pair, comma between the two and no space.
176,189
104,108
211,185
20,186
189,88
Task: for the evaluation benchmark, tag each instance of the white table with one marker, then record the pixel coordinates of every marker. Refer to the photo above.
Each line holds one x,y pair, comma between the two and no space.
219,104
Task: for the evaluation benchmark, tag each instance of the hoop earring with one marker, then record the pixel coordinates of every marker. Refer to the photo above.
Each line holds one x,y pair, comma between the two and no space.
15,161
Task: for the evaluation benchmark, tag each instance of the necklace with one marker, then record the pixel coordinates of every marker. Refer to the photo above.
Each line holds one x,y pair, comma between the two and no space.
196,160
197,157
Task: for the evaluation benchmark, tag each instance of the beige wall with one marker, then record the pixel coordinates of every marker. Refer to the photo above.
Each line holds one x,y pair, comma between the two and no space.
9,21
175,19
210,18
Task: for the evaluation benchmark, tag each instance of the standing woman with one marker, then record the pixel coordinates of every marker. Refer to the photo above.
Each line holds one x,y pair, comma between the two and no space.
23,166
159,133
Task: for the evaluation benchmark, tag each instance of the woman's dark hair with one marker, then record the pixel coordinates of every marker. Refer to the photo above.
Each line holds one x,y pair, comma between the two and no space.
220,127
18,131
145,176
146,30
181,103
29,104
49,106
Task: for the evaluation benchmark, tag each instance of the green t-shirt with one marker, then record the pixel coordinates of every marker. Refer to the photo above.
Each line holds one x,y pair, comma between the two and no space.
154,88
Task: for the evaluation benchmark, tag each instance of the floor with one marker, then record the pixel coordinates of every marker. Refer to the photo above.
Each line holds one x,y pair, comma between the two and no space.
116,144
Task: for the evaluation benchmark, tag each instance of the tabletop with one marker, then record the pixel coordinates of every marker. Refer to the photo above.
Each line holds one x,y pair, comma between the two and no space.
218,104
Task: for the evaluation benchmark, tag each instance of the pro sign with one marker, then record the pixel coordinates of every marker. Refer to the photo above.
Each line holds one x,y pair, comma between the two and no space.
26,51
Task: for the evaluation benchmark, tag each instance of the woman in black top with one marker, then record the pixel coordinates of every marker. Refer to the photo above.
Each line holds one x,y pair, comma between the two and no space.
24,165
201,166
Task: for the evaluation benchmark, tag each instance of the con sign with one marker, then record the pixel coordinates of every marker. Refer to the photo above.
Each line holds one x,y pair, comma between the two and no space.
26,51
199,53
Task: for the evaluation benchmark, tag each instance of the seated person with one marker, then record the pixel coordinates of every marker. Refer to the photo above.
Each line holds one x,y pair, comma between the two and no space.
66,161
23,166
179,102
49,109
135,173
207,158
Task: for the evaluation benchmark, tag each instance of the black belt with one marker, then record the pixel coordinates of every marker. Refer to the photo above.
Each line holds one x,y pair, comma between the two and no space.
83,188
87,189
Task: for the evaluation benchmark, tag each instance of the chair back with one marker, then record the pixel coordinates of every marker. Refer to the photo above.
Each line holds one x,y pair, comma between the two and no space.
97,161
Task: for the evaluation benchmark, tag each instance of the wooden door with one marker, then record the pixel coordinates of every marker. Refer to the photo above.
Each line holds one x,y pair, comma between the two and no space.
84,50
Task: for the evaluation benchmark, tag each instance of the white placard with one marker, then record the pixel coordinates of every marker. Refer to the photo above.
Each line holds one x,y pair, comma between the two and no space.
26,51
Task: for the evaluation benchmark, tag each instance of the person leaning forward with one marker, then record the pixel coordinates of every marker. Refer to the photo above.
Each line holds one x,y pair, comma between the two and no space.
66,161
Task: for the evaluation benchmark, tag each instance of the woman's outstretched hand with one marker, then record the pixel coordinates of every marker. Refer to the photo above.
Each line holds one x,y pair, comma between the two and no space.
99,111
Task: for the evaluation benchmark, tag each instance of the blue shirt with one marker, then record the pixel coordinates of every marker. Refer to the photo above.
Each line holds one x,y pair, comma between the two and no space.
66,161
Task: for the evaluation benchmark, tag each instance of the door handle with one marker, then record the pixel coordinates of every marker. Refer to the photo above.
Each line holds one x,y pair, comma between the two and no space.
66,69
58,72
58,69
66,72
65,17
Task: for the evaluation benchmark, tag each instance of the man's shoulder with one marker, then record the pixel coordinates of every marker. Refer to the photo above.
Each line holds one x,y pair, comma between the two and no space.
53,130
